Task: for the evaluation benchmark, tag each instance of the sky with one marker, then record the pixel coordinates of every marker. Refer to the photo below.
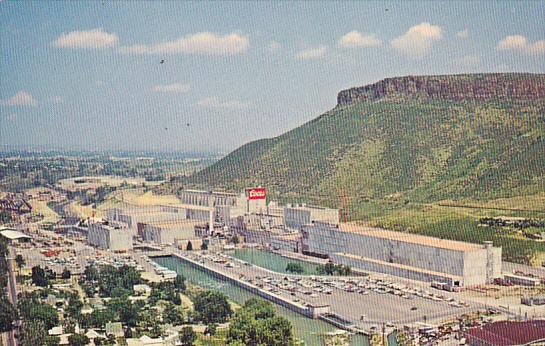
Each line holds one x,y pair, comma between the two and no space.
209,77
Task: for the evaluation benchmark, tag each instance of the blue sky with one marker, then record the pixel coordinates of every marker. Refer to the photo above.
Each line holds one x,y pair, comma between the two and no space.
87,75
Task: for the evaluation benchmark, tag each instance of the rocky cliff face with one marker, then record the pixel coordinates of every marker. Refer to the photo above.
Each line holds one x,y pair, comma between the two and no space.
454,87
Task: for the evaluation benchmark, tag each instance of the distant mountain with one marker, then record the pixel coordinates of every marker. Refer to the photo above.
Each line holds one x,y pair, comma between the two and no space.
419,138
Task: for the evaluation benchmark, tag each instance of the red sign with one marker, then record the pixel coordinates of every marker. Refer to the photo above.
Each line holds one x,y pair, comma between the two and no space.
257,193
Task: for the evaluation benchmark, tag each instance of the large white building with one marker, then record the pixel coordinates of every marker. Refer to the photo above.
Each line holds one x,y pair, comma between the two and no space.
108,237
402,254
130,216
168,232
297,215
252,200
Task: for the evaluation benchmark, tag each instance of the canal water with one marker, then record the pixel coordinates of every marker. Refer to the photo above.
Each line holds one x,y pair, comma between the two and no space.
271,261
309,330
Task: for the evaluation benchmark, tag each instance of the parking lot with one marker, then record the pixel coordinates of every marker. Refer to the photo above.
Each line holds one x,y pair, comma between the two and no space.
366,301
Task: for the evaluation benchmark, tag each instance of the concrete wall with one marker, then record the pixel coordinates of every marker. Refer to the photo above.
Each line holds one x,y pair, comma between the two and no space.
206,198
476,266
285,244
168,235
409,273
324,239
310,311
132,216
298,215
107,237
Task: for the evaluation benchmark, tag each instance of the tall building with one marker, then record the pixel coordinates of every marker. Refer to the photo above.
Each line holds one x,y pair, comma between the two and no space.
108,237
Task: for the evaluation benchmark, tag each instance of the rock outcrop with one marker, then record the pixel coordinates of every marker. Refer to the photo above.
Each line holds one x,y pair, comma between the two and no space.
451,87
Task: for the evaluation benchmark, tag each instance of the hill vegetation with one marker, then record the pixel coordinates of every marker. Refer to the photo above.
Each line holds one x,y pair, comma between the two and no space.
403,143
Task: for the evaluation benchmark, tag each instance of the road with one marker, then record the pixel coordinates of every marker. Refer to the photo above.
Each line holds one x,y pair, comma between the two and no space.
509,267
12,289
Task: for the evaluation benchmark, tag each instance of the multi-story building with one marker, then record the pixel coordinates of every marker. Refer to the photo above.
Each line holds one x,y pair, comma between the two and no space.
108,237
226,204
407,255
130,215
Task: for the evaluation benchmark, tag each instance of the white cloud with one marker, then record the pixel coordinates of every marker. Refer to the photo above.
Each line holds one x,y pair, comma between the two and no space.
22,98
214,102
89,39
174,88
357,39
418,40
312,53
274,46
521,44
463,34
57,99
206,43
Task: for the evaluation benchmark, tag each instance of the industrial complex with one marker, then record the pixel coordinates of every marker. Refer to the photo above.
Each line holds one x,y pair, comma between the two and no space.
300,228
421,278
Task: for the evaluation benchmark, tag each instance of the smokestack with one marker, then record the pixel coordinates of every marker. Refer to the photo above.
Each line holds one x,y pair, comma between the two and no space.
211,221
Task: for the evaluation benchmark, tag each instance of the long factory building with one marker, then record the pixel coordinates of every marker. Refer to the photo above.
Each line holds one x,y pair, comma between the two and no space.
406,255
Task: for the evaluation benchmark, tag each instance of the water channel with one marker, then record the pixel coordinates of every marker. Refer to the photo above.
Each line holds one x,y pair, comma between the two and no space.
311,331
271,261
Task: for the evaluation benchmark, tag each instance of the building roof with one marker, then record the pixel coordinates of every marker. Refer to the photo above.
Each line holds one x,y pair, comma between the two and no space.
13,234
172,223
410,238
506,333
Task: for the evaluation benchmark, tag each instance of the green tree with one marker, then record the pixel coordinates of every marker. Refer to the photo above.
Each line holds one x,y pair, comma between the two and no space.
74,306
344,270
52,340
179,283
66,274
33,332
187,336
189,246
211,329
39,277
234,240
20,261
256,324
296,268
91,273
78,340
8,315
172,315
212,307
31,309
5,217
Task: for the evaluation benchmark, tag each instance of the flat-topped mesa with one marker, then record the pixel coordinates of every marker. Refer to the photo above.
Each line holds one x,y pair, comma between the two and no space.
520,86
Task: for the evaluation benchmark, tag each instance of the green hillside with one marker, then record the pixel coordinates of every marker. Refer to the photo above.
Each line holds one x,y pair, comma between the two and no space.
418,148
388,153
